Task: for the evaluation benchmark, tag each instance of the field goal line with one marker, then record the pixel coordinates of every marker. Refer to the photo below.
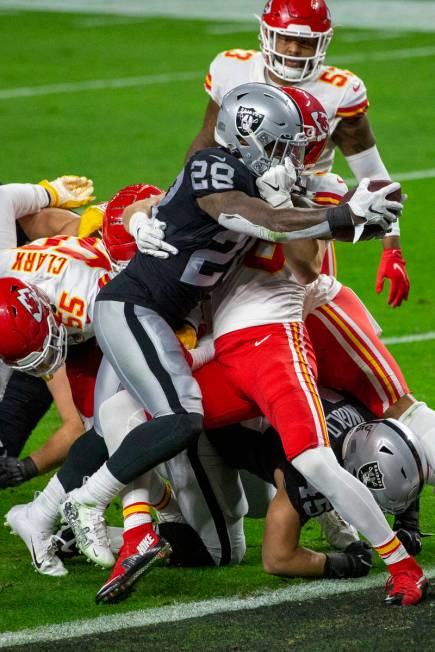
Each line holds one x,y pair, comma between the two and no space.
183,611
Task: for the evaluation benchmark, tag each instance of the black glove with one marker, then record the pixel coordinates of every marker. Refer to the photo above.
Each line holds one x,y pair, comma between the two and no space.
14,471
407,528
411,540
355,561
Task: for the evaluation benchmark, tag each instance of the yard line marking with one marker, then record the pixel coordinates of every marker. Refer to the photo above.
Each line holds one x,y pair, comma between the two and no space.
98,84
89,23
404,339
415,175
388,55
174,613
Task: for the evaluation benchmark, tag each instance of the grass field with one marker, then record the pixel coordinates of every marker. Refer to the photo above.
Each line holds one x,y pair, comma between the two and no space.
139,131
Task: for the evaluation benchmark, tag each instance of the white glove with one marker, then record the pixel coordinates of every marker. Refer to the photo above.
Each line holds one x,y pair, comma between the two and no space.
69,191
373,207
276,183
149,234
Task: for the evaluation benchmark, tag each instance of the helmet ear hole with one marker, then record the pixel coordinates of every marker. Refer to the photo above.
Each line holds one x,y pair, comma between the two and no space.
384,449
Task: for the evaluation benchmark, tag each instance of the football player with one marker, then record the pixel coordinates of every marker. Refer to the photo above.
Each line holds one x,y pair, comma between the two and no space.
243,127
294,37
70,272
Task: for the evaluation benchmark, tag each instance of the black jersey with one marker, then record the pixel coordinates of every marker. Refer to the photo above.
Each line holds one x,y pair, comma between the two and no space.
173,286
262,453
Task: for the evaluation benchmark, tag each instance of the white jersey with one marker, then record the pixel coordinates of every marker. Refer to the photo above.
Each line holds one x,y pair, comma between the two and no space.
263,289
342,93
69,270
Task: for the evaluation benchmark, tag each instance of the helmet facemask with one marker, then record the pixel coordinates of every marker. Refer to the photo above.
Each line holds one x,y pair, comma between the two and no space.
53,353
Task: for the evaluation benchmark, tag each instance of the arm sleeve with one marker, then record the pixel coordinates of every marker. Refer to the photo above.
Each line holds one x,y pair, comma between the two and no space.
17,200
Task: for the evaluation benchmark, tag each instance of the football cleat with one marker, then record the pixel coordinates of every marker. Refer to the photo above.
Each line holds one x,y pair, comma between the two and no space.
89,528
407,584
41,545
136,557
339,533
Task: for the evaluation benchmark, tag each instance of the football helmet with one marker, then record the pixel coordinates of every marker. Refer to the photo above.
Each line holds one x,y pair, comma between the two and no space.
120,245
388,458
31,340
262,124
301,19
316,123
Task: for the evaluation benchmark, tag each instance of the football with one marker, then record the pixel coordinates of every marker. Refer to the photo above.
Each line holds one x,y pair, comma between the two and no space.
375,185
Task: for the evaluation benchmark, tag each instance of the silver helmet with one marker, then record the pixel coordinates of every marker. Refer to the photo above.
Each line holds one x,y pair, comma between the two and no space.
388,458
263,124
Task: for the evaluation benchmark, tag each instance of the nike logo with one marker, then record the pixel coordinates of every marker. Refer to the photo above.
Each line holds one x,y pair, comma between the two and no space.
37,563
258,342
356,87
219,158
275,188
399,269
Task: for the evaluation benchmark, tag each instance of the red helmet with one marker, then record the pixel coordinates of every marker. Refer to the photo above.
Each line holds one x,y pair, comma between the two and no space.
315,120
31,340
301,19
120,245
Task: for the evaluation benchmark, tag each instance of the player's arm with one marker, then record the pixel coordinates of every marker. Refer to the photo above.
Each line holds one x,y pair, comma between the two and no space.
304,258
282,554
49,222
56,448
205,137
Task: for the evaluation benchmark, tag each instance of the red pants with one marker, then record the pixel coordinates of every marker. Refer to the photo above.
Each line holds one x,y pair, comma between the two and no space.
351,357
266,370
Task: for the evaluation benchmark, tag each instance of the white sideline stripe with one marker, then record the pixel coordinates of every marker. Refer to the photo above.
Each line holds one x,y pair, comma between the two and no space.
402,176
404,339
88,23
99,84
175,613
164,78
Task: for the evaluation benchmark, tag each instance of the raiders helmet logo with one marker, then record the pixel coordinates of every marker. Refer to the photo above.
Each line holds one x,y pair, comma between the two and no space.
371,475
321,121
248,120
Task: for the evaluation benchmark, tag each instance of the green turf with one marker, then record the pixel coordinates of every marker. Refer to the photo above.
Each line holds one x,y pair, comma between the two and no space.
140,134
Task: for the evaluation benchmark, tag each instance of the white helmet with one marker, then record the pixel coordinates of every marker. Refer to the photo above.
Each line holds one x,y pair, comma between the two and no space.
263,124
388,458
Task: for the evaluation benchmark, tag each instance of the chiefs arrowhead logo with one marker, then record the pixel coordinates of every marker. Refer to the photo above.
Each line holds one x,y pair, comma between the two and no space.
248,120
31,303
267,8
321,121
371,475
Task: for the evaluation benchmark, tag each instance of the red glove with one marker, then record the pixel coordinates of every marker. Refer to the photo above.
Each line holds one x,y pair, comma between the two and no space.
393,267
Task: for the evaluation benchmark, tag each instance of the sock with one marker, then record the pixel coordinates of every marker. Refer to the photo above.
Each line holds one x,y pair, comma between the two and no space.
136,508
392,551
167,507
352,500
45,506
421,420
100,488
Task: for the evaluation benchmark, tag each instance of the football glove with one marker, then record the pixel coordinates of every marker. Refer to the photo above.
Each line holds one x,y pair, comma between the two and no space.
355,561
187,336
149,234
69,191
14,471
374,207
392,266
91,220
276,183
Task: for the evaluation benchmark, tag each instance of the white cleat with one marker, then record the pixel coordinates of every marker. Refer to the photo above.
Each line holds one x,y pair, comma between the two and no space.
87,523
41,545
338,532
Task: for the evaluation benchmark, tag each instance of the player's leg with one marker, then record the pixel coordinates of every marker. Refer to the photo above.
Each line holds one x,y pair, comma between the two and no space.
35,522
351,356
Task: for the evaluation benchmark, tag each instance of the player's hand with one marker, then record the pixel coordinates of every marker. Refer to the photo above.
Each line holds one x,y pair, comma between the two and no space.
276,183
187,336
373,207
14,471
149,234
69,191
411,540
392,266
